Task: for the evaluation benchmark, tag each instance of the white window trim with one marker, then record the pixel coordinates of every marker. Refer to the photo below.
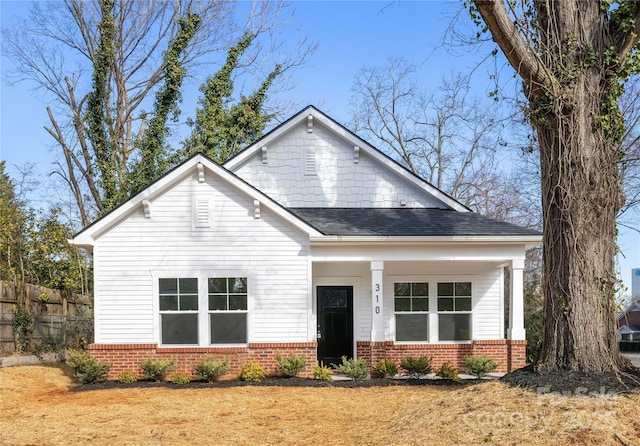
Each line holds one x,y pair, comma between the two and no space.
203,304
395,313
470,313
209,312
159,312
433,280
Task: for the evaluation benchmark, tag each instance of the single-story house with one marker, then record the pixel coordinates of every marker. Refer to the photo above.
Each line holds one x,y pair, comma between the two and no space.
629,323
310,241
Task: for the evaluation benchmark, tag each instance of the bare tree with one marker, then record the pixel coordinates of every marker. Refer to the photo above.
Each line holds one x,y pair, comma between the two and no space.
573,57
58,50
449,136
630,148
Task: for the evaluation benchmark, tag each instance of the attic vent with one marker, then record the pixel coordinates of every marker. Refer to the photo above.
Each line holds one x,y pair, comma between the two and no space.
309,162
201,212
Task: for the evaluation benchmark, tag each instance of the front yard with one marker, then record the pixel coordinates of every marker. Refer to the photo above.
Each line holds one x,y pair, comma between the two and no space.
39,407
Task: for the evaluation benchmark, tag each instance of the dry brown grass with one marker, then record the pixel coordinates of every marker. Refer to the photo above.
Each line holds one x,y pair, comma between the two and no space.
37,408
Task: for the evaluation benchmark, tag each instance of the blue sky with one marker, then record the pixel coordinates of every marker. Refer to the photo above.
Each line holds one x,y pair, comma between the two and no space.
350,35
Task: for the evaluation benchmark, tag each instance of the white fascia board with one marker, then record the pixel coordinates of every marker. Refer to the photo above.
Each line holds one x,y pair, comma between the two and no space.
354,140
496,254
530,241
88,237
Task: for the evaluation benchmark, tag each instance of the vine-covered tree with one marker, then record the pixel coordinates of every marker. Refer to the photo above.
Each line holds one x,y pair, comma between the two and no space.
100,62
221,130
573,57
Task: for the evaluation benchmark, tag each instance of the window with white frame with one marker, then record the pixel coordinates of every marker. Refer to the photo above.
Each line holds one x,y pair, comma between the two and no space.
178,310
454,311
227,310
411,307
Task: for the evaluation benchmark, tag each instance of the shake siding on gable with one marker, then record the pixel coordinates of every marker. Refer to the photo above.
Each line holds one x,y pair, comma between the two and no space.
339,181
267,251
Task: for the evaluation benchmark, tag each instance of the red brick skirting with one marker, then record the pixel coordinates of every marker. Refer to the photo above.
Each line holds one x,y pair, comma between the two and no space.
510,355
126,357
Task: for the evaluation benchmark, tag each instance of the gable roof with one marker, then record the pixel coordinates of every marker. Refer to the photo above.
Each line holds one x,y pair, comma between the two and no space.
192,166
310,112
633,307
429,222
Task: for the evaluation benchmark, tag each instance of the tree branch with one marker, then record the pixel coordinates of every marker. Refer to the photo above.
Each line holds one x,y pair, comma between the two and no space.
518,52
629,39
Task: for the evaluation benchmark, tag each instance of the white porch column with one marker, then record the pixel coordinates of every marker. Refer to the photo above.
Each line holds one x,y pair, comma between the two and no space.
516,330
377,316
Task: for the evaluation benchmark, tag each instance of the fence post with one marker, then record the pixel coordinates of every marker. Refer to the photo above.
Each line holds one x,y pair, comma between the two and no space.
64,317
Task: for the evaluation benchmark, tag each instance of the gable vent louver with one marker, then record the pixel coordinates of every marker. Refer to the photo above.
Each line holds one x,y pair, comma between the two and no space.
309,162
201,213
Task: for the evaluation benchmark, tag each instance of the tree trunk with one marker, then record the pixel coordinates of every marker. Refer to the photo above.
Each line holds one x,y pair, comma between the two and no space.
572,55
581,196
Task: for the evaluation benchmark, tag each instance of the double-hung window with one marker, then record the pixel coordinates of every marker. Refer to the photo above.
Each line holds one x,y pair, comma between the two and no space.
179,310
411,307
454,311
227,310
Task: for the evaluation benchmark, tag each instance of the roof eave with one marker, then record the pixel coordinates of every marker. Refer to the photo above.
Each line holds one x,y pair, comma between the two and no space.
530,241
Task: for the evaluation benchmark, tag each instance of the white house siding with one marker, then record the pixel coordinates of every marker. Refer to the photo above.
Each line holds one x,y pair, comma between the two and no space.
488,304
338,180
266,250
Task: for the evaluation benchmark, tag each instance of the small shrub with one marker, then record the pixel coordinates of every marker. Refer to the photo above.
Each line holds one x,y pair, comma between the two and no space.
448,371
211,369
252,371
386,368
127,377
416,367
354,368
291,365
85,368
479,366
322,372
156,369
179,378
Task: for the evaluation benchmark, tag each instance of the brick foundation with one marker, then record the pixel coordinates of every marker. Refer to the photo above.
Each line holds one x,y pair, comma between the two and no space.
126,357
510,355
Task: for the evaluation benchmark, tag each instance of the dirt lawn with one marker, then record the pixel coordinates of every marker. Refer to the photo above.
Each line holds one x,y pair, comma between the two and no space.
37,407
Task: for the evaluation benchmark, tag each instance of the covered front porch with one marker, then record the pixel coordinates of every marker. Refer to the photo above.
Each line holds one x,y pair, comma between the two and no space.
411,300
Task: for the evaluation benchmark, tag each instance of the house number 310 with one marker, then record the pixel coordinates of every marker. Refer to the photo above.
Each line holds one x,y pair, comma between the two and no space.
377,288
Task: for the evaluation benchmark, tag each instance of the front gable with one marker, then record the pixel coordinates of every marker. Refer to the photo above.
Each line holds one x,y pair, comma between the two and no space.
312,161
200,176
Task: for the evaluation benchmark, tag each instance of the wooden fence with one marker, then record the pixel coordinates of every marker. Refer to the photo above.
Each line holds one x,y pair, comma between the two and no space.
59,319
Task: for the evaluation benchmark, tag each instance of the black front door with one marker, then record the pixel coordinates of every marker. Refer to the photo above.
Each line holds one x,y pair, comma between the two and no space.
335,323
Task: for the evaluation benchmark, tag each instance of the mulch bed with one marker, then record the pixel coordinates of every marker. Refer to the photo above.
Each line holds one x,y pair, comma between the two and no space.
559,382
574,383
281,382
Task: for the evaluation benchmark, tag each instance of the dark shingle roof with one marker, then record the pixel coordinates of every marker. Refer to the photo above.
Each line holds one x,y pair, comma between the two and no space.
405,222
